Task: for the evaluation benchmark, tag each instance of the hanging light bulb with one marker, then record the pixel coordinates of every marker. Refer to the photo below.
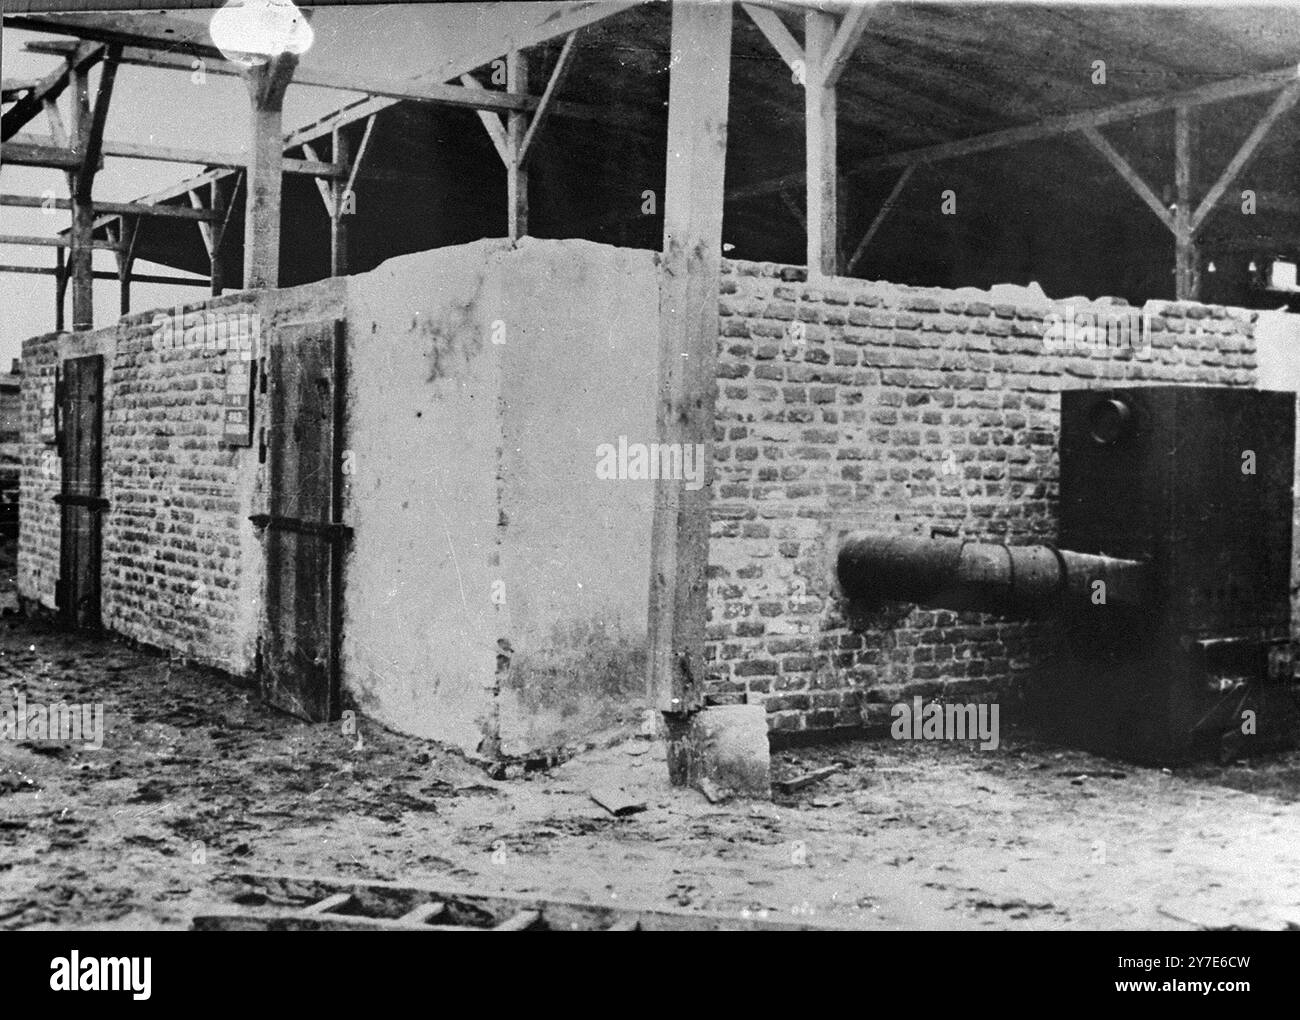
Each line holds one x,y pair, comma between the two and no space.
251,32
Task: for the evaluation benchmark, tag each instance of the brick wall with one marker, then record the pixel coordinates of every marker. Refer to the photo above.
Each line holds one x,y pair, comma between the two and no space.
181,561
856,404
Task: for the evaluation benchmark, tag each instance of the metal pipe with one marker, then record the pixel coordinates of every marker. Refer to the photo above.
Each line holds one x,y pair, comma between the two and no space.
951,573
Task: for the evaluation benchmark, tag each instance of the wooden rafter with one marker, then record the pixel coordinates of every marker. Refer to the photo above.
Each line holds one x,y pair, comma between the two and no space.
125,29
58,130
885,207
34,241
847,36
1232,88
170,42
432,93
357,160
547,103
79,60
778,34
166,154
199,204
103,208
12,89
1130,176
94,139
326,196
559,24
39,153
1284,102
491,122
223,191
197,281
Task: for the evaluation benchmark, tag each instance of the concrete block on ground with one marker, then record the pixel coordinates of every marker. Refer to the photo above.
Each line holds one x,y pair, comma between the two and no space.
727,752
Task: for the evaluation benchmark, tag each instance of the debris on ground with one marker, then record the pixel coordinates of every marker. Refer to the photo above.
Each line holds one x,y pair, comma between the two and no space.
807,779
617,801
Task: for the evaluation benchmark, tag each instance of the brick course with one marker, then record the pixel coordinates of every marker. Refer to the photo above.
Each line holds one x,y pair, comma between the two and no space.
848,404
181,561
842,405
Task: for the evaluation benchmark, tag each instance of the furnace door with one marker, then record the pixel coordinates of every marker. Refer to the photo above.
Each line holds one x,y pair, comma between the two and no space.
80,499
303,538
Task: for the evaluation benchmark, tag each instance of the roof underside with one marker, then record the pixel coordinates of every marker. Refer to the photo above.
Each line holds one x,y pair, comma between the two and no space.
923,74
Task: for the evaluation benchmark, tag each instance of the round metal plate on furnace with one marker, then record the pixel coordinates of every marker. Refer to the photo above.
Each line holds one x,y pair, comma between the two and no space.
1109,421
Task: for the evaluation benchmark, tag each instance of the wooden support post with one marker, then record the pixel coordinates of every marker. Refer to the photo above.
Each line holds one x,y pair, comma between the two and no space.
60,288
820,141
221,269
842,214
86,139
124,235
124,283
688,336
220,203
266,87
83,212
338,218
516,128
1186,271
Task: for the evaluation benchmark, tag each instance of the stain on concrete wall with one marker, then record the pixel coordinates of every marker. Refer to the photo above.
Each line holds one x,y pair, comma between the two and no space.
420,628
578,369
496,588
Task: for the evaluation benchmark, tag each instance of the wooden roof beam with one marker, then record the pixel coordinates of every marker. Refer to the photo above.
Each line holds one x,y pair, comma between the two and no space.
33,241
1283,103
165,154
157,30
546,104
491,122
106,208
94,133
198,281
434,93
1232,88
78,60
888,204
561,23
26,150
847,36
12,89
778,34
1131,177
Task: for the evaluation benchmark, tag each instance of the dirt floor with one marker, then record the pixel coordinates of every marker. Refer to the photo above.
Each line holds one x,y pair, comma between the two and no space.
197,778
